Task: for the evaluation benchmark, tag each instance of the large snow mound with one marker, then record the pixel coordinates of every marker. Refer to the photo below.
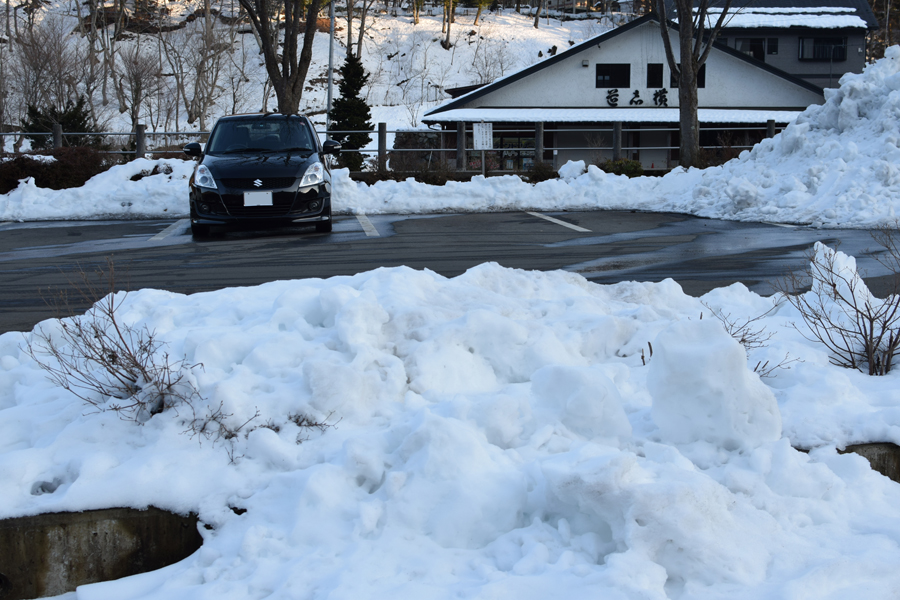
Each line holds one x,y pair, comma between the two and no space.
835,166
497,435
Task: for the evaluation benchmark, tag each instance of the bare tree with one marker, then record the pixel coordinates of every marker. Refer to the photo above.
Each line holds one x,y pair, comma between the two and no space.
537,13
137,79
197,55
46,59
448,20
492,58
695,42
281,20
859,330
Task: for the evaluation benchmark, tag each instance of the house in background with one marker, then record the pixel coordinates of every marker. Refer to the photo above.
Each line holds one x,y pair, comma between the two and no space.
613,96
816,40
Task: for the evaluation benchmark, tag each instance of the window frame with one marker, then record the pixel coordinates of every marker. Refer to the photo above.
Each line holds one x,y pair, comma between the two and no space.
618,74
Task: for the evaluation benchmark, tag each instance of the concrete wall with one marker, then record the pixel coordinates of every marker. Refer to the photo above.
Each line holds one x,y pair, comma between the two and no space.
49,555
730,81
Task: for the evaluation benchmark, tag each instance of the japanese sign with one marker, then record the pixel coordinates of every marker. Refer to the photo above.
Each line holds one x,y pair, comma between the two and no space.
483,135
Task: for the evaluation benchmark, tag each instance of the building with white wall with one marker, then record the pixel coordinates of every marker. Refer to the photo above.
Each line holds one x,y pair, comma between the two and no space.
580,98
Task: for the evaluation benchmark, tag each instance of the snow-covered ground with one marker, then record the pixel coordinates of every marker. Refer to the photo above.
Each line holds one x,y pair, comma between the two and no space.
835,166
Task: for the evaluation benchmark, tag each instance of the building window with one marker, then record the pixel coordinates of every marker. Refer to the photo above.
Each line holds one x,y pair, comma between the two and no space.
701,78
654,75
755,47
823,49
772,46
614,76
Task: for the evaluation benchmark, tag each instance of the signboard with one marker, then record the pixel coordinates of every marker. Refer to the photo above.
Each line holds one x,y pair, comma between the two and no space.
483,135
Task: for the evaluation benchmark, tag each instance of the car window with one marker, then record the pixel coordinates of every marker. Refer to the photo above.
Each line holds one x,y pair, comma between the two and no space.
263,135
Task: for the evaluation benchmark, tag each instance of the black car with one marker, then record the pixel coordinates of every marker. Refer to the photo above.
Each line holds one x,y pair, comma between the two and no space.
261,169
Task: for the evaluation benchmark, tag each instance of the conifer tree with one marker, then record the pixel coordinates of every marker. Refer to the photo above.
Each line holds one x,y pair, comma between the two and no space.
351,113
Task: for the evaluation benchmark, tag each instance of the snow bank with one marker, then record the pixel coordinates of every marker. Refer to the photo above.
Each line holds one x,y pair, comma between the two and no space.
496,434
111,194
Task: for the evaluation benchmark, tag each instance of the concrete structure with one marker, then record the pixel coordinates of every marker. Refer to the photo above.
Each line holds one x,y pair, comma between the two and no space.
51,554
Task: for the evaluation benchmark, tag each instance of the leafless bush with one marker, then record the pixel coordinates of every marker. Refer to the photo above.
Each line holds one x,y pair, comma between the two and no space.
750,334
860,331
109,364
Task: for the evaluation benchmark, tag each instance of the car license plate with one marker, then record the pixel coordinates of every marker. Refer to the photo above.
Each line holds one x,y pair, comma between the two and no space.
257,198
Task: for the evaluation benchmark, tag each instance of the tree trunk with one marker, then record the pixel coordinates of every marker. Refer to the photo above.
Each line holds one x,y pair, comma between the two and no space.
449,13
689,126
537,14
349,28
478,13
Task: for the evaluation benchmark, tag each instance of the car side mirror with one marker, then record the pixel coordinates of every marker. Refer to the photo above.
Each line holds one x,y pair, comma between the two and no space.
331,147
193,149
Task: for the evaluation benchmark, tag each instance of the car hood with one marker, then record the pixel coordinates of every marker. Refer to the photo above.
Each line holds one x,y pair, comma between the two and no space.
259,165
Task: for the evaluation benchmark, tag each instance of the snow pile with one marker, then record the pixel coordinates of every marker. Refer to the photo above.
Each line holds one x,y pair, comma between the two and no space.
497,434
109,194
835,166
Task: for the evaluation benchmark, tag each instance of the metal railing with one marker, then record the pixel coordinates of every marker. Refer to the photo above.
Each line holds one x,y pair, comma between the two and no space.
604,142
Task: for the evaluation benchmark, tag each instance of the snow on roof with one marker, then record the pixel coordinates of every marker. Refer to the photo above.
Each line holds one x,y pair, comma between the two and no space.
607,115
825,17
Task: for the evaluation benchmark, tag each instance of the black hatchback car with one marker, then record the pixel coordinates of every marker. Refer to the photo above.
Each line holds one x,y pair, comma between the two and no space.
259,170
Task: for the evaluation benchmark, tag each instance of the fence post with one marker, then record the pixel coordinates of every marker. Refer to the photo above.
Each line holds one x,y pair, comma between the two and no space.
57,135
460,146
617,140
140,140
538,143
382,146
770,128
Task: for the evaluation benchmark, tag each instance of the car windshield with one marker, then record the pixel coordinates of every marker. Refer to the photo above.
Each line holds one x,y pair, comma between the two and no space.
270,134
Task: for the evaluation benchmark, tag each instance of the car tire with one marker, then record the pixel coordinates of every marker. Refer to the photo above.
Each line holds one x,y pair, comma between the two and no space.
199,231
325,226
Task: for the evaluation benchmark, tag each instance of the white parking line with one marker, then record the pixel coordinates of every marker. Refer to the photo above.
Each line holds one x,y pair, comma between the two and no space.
367,226
558,222
172,229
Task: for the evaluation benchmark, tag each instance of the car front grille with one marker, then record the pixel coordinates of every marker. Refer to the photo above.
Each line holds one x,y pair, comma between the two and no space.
268,183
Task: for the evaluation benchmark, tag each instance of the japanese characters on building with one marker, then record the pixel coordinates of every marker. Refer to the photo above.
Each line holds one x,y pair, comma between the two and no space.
660,98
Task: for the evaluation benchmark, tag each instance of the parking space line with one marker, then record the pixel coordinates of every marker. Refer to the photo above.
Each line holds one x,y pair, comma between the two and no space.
367,226
172,229
558,222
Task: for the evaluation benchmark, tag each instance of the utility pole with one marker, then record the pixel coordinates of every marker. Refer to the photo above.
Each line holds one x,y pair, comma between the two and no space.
330,70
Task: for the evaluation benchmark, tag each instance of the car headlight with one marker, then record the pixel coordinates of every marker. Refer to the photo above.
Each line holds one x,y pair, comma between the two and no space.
204,178
314,174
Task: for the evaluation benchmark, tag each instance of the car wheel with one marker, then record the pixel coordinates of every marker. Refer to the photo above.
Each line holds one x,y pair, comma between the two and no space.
199,231
325,226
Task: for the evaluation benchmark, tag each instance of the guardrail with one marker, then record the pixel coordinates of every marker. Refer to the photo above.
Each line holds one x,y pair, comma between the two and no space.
451,145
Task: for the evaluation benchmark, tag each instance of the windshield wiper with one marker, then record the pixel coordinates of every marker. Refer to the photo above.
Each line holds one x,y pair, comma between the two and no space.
297,150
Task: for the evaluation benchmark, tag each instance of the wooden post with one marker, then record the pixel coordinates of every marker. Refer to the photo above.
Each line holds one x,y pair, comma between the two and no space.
617,140
382,147
770,128
460,146
140,140
538,143
57,135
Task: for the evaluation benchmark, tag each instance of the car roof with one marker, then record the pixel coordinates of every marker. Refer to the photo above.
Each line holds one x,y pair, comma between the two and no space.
252,116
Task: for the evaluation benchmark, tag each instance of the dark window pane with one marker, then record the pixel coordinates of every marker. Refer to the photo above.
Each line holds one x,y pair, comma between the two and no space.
772,46
654,75
614,76
755,47
823,49
701,78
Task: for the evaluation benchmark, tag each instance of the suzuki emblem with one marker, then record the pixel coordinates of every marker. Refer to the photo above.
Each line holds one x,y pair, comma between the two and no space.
258,183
